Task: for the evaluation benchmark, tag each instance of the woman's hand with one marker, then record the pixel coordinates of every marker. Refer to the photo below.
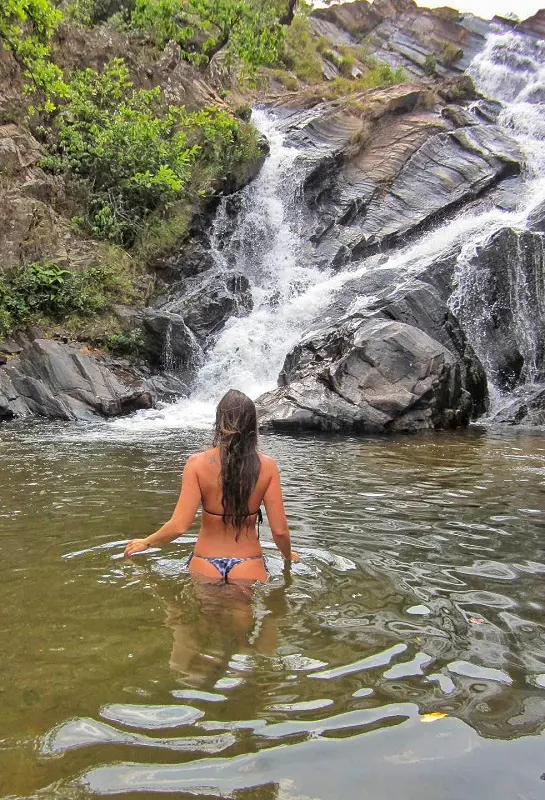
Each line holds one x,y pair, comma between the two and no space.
136,546
294,557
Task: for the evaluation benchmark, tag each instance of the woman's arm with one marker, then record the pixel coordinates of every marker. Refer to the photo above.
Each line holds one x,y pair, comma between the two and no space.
274,506
184,513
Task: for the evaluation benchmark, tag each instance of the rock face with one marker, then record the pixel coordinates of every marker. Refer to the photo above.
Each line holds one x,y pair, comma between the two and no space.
60,381
534,25
386,164
405,35
206,305
501,298
368,376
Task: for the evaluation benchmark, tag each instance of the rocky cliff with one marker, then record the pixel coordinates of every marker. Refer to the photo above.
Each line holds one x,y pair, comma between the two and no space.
402,343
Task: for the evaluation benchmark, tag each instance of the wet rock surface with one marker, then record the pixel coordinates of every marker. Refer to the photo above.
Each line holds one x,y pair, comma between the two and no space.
207,304
63,381
386,164
367,376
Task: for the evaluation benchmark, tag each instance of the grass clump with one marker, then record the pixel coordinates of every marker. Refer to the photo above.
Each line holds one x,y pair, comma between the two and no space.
451,54
47,293
430,65
377,78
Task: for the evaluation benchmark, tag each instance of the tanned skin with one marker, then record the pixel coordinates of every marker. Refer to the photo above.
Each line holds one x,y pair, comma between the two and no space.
201,484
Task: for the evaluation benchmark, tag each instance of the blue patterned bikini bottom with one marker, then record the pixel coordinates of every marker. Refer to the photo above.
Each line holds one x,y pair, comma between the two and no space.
224,565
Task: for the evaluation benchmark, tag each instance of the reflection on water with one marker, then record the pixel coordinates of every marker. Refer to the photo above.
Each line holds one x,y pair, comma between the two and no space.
419,599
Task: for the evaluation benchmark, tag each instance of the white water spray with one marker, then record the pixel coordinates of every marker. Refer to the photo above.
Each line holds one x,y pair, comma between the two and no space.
289,292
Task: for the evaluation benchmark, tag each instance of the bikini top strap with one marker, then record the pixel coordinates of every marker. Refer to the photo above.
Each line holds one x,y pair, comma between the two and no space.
259,517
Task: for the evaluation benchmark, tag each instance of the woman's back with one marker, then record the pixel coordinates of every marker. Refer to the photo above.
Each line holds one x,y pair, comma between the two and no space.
216,538
229,481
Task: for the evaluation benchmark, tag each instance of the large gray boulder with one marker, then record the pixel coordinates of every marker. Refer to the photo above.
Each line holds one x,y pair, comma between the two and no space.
500,300
368,376
62,381
207,304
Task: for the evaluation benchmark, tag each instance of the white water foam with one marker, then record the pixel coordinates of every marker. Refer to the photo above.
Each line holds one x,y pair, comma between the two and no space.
269,247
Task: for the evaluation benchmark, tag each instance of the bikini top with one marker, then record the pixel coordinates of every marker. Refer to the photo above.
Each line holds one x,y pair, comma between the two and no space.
258,512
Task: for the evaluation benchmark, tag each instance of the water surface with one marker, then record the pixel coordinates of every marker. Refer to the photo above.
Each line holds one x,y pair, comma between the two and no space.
404,656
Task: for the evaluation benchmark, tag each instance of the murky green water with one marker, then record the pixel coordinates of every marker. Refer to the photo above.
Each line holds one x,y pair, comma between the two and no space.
421,591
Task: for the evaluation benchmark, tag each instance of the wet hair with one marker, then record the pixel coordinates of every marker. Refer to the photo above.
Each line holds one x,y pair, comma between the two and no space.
236,437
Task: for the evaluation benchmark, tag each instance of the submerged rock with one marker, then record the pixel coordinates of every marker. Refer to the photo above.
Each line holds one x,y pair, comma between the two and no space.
62,381
368,376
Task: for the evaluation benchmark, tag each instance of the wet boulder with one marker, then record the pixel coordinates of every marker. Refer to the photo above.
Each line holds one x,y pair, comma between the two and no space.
501,300
168,343
63,381
207,305
367,375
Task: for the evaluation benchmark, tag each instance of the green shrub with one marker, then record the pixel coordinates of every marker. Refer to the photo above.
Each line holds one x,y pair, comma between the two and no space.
124,343
430,65
249,31
134,155
451,54
93,12
301,55
46,292
26,29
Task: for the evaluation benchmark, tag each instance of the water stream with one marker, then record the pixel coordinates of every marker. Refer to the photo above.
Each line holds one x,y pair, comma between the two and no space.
404,656
269,246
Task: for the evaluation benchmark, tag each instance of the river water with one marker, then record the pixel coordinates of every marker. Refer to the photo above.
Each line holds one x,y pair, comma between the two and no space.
404,656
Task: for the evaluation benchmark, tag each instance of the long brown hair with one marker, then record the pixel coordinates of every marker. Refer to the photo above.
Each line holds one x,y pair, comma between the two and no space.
236,437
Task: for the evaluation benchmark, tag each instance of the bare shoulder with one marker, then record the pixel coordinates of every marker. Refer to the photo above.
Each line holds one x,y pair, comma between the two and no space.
268,464
199,460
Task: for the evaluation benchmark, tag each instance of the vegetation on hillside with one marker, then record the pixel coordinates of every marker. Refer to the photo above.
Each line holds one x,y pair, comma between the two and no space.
136,166
133,154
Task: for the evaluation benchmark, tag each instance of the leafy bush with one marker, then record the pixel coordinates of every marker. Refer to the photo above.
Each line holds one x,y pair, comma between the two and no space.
133,154
300,52
93,12
250,31
430,65
47,292
26,29
124,343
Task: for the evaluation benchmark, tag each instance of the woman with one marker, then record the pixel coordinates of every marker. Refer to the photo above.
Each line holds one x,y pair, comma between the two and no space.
230,481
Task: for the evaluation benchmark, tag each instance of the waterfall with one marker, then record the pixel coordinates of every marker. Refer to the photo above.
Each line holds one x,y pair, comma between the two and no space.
269,245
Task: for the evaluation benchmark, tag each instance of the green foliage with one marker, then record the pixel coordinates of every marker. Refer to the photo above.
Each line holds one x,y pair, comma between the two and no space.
430,65
379,77
124,343
133,154
300,54
93,12
26,29
451,54
287,80
44,291
248,30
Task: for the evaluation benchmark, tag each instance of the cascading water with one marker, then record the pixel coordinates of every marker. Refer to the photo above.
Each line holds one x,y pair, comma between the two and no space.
289,292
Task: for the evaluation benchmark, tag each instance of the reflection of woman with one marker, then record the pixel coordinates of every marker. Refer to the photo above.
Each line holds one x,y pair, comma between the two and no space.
230,481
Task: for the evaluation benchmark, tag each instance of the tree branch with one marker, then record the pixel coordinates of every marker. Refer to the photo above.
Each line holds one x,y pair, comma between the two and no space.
287,18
